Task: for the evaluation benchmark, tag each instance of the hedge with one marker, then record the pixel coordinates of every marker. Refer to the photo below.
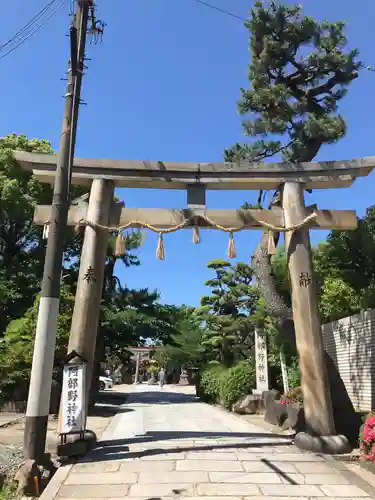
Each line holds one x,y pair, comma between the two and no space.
210,383
238,382
219,384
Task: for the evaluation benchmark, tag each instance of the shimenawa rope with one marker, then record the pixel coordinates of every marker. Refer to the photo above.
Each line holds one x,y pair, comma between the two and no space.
160,253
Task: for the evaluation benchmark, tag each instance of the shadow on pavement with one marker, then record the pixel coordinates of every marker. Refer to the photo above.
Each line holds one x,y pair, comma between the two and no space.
109,404
161,397
118,449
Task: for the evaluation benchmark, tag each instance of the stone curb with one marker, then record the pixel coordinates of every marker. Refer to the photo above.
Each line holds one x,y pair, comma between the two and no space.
56,482
12,422
53,487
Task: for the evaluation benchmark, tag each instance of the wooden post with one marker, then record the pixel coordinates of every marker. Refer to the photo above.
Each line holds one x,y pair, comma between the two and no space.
317,398
91,274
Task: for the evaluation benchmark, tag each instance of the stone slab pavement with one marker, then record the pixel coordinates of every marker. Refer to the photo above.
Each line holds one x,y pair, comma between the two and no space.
164,444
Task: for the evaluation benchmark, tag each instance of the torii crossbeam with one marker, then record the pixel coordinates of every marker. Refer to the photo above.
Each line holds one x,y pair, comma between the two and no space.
101,213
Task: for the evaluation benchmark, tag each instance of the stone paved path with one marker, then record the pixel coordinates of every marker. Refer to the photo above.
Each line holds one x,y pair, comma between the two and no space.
165,445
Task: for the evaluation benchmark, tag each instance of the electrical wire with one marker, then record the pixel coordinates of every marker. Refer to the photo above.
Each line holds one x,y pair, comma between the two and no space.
223,11
35,18
236,16
32,27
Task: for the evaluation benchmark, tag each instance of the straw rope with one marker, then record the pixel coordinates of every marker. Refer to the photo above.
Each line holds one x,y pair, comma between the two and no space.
187,222
160,251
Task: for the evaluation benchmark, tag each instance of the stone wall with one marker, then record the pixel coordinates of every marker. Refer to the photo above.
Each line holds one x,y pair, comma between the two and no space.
351,344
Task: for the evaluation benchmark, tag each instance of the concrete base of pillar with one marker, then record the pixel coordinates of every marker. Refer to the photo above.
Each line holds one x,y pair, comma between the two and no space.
329,445
75,445
28,476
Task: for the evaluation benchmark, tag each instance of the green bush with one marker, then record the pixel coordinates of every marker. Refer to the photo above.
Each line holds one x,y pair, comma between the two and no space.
238,381
294,374
210,384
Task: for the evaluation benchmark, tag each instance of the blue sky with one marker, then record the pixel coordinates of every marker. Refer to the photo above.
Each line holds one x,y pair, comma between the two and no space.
163,85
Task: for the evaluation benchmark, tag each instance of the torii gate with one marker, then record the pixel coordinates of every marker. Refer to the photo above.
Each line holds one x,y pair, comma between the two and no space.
137,353
294,218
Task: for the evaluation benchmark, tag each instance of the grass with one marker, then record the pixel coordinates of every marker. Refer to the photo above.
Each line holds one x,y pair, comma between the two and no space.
8,492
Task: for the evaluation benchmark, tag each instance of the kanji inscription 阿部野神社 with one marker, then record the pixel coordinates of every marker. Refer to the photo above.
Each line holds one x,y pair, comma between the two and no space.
73,399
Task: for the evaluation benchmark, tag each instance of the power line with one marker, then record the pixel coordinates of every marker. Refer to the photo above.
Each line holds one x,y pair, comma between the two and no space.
34,19
236,16
223,11
32,27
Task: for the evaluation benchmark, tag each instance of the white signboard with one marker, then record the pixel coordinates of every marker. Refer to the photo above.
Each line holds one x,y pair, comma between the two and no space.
261,361
73,401
284,372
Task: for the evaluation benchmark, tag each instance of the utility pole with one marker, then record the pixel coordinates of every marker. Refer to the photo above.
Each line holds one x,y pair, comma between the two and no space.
45,337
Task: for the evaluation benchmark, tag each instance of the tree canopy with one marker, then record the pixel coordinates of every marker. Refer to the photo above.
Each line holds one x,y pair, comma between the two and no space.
228,333
300,69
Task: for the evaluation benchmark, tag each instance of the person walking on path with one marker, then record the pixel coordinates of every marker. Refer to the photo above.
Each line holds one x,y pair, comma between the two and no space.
161,378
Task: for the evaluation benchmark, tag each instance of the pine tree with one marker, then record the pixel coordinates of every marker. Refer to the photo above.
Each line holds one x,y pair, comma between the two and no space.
300,70
229,332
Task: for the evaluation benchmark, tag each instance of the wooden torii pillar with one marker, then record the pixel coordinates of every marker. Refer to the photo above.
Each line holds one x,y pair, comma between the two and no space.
320,432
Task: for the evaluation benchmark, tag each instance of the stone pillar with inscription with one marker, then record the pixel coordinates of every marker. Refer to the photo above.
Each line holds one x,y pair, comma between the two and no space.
320,428
91,274
261,362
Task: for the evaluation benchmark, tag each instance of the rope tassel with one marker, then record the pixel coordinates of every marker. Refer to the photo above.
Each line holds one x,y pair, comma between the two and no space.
231,252
120,246
160,255
196,235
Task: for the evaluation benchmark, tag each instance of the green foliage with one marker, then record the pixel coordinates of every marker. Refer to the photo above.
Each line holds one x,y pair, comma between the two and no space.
21,246
185,346
294,373
17,345
344,271
9,492
338,299
210,383
152,369
219,384
229,331
131,317
300,69
238,381
347,259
